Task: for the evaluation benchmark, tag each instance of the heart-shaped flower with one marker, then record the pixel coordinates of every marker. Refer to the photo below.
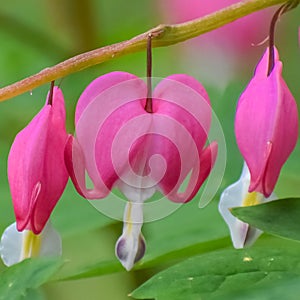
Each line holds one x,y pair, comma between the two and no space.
266,124
37,177
122,145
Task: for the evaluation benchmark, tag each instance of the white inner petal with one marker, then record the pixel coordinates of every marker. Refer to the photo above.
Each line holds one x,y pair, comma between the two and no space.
15,246
130,246
233,196
11,245
136,195
51,244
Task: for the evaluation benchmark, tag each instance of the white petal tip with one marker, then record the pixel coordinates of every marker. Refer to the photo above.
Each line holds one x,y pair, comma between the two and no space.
12,244
235,195
129,251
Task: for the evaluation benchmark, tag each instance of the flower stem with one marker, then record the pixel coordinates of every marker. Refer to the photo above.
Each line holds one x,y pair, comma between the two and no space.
148,106
282,9
163,35
50,98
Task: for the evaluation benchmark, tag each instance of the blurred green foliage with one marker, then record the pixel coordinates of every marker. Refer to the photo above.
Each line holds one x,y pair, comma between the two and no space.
38,34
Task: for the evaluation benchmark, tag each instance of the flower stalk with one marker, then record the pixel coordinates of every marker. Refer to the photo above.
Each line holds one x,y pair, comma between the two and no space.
282,9
50,97
163,35
148,106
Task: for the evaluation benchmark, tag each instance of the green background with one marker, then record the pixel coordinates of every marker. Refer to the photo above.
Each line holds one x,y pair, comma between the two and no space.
38,34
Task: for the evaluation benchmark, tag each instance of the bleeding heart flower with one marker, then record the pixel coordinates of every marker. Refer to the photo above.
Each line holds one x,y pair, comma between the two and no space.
242,234
122,145
266,124
37,177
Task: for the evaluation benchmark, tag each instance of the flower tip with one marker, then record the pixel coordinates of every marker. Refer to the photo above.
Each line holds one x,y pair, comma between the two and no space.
237,195
10,245
16,246
129,250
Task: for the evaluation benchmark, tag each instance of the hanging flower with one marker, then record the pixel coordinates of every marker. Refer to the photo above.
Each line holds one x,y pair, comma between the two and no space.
266,124
122,145
237,195
37,177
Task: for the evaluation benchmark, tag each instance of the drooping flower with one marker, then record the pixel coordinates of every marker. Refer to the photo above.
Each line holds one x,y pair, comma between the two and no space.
242,234
266,124
37,177
122,145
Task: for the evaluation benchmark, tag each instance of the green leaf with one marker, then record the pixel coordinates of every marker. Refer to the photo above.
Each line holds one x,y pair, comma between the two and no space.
19,280
280,217
221,272
286,288
33,294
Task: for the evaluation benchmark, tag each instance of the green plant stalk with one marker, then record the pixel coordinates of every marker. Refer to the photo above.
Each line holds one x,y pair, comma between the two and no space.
163,35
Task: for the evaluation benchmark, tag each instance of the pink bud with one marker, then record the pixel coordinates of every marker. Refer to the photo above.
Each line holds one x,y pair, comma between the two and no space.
266,125
36,170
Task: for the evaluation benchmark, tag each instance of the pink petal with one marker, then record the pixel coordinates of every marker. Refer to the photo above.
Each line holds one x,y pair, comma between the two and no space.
36,170
207,160
185,112
97,86
266,126
119,142
115,98
75,164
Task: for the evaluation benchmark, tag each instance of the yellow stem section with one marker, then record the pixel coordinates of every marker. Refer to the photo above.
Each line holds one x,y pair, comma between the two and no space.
163,35
128,219
253,198
31,245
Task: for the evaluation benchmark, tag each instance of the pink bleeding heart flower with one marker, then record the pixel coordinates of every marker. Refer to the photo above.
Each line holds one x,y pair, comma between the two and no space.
266,124
121,145
37,177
